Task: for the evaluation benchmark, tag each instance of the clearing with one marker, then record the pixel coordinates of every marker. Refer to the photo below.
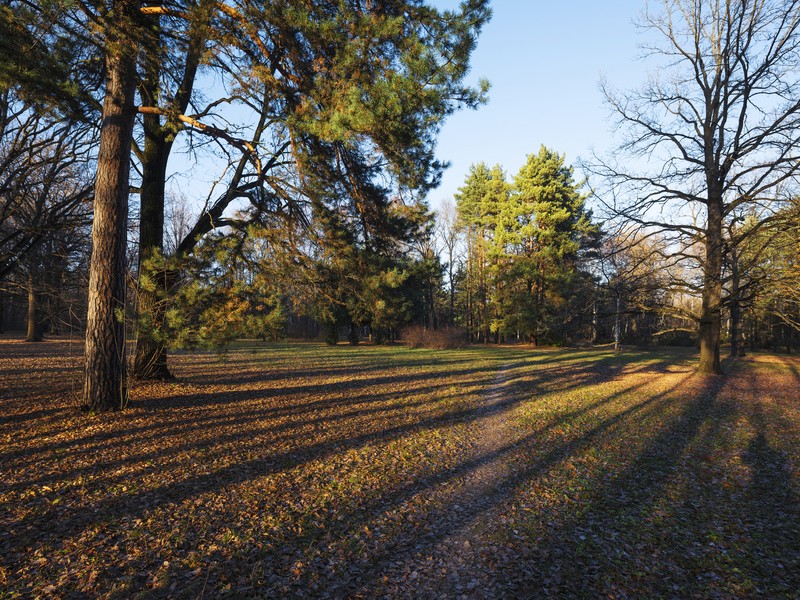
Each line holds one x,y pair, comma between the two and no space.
309,471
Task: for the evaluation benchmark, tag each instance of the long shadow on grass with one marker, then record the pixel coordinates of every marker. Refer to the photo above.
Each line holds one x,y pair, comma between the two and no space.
606,545
270,434
249,409
383,557
794,367
52,527
769,508
439,523
520,477
72,520
603,367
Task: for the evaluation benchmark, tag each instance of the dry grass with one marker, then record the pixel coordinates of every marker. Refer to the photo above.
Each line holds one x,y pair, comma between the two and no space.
304,470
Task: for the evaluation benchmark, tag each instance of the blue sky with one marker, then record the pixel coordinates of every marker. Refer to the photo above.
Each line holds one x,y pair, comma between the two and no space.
544,61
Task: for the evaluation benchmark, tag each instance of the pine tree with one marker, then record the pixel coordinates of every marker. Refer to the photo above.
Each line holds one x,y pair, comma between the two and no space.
550,228
343,94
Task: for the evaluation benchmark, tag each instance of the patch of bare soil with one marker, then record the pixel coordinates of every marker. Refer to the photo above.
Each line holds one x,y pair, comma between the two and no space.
457,561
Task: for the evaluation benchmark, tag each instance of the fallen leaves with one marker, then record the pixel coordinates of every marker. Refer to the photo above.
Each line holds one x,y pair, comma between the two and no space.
303,470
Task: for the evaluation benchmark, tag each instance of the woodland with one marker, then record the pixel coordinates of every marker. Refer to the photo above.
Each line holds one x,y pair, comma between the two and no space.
290,375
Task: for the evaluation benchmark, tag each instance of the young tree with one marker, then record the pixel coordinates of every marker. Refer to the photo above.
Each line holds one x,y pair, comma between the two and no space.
716,131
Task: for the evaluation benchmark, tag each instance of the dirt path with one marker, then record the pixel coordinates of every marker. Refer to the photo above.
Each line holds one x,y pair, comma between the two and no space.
453,562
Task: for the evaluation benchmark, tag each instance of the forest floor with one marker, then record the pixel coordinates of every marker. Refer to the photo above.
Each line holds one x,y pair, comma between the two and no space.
300,470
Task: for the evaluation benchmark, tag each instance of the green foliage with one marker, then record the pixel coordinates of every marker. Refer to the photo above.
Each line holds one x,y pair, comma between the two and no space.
549,229
526,244
45,59
364,275
769,264
221,294
480,204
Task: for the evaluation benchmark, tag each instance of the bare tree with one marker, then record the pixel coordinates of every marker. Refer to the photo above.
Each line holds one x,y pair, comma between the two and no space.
45,182
449,232
717,131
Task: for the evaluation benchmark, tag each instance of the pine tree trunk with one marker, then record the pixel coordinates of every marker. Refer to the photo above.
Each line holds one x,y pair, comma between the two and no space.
34,329
150,360
105,386
711,315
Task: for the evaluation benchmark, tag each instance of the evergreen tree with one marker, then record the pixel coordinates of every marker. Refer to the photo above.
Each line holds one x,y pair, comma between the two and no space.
550,229
477,204
527,244
343,94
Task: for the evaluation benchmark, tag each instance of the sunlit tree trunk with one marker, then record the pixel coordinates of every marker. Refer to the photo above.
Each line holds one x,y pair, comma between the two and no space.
105,386
711,315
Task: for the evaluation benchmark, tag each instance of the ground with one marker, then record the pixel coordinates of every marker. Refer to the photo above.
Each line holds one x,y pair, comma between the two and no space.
299,470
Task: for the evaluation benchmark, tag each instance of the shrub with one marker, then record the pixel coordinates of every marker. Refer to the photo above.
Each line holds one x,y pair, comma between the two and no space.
418,336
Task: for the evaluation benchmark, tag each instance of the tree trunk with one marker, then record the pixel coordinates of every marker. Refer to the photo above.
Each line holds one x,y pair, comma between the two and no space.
737,345
34,328
711,315
150,360
55,304
105,386
452,315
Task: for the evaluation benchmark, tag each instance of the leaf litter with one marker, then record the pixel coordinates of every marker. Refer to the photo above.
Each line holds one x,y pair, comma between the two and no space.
298,470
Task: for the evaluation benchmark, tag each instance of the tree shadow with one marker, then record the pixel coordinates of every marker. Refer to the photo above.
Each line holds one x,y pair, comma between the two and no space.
257,425
770,510
384,557
609,532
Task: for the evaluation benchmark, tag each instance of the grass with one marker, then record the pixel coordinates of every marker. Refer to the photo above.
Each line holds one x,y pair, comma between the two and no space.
304,470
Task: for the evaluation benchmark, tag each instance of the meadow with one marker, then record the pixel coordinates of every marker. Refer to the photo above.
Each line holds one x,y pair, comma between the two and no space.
302,470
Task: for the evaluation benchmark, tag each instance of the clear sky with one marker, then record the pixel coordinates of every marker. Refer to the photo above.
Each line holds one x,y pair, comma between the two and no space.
544,60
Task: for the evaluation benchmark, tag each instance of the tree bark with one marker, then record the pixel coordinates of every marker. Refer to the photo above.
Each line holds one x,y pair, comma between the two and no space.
34,327
150,360
711,315
105,385
737,345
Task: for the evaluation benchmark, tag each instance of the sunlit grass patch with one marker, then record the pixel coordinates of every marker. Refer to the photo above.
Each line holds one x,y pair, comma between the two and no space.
294,468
